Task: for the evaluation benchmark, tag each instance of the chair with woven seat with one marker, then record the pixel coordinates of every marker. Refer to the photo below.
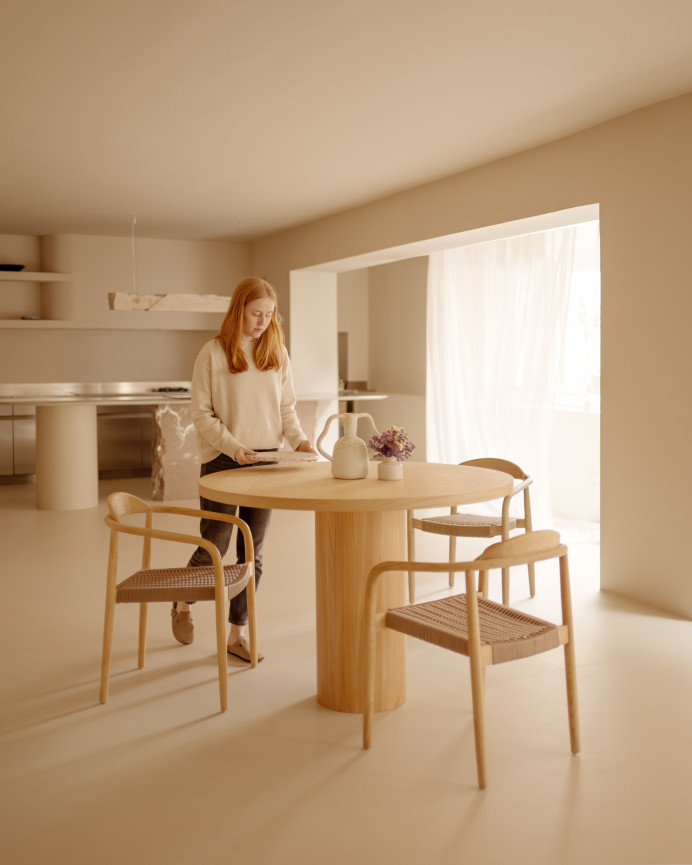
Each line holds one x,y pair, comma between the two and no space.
483,630
463,525
215,582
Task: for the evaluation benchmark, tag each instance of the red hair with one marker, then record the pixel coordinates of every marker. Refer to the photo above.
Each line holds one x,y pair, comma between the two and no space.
269,347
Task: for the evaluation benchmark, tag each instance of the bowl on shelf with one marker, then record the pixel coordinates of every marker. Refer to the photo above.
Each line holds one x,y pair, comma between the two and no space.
11,267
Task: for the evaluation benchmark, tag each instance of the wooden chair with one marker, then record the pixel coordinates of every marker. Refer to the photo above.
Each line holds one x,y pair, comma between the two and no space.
463,525
485,631
174,584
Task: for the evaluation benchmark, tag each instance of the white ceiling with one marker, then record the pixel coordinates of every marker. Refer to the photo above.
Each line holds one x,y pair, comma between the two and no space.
236,118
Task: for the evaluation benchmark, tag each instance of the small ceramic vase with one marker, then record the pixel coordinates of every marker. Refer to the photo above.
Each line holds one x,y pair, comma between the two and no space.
390,469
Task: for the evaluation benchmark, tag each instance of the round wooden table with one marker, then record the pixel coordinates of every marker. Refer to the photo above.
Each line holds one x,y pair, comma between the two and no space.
358,523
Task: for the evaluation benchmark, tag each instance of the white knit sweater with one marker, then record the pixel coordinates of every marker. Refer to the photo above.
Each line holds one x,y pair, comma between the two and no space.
250,409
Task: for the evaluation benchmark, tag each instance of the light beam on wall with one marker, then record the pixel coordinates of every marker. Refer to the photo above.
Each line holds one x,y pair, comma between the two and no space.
120,300
133,301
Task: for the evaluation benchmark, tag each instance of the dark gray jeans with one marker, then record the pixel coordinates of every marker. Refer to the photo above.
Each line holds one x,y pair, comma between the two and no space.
219,533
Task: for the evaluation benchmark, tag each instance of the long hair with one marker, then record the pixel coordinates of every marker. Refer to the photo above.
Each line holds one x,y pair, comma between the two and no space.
269,347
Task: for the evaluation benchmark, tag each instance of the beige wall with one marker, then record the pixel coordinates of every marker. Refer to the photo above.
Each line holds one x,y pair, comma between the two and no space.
353,298
638,169
383,310
99,355
397,337
93,343
397,311
104,264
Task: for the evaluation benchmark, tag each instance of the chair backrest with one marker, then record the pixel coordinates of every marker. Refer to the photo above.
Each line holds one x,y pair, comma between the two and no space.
121,504
522,550
498,465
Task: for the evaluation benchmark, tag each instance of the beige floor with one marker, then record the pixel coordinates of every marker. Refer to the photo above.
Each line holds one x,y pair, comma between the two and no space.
158,775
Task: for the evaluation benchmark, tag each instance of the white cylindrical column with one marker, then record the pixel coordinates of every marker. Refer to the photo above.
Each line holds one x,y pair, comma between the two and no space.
66,457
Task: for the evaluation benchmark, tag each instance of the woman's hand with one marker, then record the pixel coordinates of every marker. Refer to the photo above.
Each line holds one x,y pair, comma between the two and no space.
306,447
241,456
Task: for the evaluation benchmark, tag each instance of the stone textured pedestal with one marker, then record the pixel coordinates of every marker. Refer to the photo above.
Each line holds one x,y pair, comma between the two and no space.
175,459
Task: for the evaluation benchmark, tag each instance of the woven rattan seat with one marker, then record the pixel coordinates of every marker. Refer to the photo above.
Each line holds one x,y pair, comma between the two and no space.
215,582
169,584
510,633
486,632
464,525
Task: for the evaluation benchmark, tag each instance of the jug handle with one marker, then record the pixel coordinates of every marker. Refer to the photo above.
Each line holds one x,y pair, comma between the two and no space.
336,417
323,434
372,422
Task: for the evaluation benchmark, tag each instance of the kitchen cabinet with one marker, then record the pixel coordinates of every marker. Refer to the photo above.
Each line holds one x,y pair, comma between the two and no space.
124,436
17,442
6,466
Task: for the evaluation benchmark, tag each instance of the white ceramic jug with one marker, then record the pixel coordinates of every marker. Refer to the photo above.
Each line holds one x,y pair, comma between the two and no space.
350,458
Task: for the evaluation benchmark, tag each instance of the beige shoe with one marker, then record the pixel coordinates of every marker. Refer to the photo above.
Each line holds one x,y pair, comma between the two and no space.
182,626
241,649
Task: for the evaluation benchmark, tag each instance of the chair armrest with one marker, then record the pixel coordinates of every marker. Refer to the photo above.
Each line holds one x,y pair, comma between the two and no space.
178,537
391,567
213,515
196,512
161,535
521,486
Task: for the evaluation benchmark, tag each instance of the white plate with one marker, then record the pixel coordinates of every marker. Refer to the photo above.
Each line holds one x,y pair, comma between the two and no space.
284,457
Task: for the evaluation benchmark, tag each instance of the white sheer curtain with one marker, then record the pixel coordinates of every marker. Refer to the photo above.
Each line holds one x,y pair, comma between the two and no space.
496,320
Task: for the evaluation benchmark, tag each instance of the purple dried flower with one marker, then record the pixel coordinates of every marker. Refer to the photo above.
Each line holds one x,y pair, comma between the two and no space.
393,442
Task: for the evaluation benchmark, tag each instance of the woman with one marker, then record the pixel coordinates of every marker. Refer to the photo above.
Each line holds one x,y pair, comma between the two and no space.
242,402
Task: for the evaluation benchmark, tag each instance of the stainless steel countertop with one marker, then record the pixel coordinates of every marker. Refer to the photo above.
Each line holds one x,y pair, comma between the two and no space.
132,393
99,393
353,395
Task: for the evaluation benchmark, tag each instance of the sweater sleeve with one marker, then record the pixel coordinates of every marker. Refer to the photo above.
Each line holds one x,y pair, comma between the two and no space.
215,434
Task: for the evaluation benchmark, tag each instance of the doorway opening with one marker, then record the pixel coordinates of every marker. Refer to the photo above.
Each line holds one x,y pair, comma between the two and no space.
386,289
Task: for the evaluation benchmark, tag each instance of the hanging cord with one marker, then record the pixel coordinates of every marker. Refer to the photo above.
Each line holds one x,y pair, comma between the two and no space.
134,257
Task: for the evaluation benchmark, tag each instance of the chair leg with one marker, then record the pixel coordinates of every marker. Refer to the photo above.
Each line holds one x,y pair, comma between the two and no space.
107,644
411,546
220,611
505,586
142,646
368,697
252,620
532,579
572,701
478,699
570,661
452,558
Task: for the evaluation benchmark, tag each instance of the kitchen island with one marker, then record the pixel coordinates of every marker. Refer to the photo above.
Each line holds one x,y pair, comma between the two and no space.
66,431
66,450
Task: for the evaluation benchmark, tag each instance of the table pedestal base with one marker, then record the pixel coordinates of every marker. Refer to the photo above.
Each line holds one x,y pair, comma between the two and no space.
347,546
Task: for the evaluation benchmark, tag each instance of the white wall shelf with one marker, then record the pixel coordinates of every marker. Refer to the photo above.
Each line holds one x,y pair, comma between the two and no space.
33,276
30,292
35,323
